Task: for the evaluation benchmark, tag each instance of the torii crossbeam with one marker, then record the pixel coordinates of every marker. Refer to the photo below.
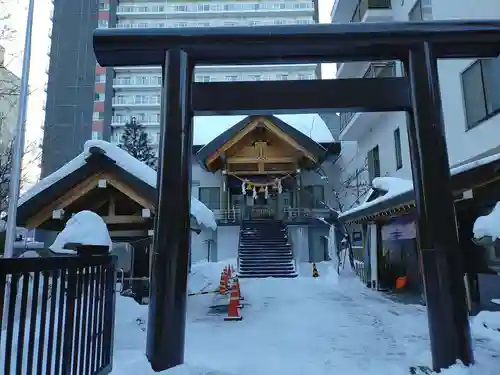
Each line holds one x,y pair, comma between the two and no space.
417,45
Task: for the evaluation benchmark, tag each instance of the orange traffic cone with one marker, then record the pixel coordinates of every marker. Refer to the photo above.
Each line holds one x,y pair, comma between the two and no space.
229,271
223,283
237,282
233,310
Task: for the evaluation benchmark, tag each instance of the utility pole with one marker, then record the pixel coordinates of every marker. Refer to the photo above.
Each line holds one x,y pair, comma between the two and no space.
18,147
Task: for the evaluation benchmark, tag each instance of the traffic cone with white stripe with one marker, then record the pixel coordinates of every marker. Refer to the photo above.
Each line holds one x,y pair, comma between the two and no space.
237,282
223,282
233,310
229,271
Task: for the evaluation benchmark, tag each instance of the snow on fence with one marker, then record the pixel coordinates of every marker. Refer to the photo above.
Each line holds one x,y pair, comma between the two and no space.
57,315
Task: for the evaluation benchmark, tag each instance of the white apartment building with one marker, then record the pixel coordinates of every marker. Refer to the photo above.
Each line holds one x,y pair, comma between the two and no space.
470,92
137,89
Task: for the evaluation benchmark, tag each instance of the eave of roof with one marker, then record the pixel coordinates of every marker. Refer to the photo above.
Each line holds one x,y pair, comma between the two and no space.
463,177
309,144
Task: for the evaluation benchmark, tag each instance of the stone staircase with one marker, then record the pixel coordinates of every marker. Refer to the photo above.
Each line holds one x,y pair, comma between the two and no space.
264,250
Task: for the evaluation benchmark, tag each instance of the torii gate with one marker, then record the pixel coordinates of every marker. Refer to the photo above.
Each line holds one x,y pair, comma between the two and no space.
417,45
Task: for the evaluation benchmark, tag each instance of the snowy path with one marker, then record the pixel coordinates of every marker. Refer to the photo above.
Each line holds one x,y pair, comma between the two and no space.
294,327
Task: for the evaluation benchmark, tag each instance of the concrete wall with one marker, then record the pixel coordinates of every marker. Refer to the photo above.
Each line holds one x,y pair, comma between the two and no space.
299,239
228,239
200,245
318,244
70,87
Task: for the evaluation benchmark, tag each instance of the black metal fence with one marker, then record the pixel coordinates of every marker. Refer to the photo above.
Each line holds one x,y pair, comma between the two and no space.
57,315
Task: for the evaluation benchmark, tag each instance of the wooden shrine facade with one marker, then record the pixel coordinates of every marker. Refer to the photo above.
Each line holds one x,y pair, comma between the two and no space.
125,202
263,145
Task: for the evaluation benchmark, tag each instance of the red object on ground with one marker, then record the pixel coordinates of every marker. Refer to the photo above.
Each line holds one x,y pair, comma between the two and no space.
401,282
233,310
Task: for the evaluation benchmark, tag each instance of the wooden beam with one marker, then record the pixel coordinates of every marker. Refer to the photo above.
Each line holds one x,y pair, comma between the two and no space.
64,201
249,173
129,192
124,219
112,205
288,140
128,233
246,160
234,140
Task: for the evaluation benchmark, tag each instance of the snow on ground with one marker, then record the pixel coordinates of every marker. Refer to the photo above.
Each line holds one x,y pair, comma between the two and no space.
329,325
488,225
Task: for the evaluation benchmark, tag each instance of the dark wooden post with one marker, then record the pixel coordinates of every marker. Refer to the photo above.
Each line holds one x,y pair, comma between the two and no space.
167,305
437,229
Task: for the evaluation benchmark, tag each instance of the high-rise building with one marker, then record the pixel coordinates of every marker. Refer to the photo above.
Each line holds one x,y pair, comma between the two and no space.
88,101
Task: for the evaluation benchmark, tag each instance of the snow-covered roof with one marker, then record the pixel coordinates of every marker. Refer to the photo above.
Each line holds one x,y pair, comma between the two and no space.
395,187
203,215
84,228
488,225
206,128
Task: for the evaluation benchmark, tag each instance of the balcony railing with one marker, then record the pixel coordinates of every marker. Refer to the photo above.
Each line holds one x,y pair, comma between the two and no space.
375,70
207,7
122,120
150,81
227,216
298,214
364,5
147,100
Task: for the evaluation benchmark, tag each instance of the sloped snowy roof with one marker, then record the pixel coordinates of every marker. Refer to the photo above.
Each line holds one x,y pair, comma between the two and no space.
202,214
206,128
395,188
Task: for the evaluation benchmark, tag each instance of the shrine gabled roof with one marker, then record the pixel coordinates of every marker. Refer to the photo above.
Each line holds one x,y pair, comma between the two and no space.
100,156
302,139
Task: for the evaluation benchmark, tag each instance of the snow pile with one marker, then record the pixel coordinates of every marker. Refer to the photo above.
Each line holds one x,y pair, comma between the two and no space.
30,254
205,275
488,225
393,186
487,324
124,160
85,228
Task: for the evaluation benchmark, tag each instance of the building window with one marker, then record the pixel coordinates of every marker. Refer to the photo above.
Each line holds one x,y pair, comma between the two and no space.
314,196
100,78
397,149
481,88
96,135
210,197
373,163
421,11
103,5
99,96
102,24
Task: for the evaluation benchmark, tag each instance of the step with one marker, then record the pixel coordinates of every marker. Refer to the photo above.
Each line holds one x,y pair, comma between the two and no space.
264,249
266,261
266,266
265,253
283,276
283,241
265,269
257,260
267,274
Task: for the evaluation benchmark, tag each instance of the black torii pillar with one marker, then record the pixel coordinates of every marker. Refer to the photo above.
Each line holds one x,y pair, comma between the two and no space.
167,304
418,45
441,261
